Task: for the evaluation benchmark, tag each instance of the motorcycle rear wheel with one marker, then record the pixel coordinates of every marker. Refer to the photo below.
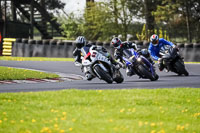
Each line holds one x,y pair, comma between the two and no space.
103,75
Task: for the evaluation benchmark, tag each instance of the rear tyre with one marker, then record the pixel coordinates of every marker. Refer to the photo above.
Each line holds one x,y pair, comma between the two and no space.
180,68
147,74
156,77
103,75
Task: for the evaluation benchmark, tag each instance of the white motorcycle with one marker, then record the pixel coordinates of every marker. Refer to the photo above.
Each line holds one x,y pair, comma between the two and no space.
95,63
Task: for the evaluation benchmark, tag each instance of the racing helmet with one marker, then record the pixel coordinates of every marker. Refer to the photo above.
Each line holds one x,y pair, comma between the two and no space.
80,41
116,42
154,39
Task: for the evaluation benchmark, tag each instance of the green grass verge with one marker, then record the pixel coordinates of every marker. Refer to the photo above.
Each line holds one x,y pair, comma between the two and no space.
9,58
8,73
102,111
192,62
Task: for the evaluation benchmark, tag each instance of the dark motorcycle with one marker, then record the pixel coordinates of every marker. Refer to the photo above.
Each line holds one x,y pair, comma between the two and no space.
139,65
172,60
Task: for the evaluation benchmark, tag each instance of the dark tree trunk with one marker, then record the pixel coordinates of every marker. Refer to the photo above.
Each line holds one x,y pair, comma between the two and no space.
5,19
115,15
44,22
0,11
32,19
89,0
187,4
149,17
14,16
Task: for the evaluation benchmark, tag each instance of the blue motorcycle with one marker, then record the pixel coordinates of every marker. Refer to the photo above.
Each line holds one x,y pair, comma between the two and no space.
140,65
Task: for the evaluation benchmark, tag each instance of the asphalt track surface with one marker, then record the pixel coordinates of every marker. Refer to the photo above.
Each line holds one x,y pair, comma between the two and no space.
166,80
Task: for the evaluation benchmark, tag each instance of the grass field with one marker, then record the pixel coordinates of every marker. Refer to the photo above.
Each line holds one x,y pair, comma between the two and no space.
9,58
102,111
8,73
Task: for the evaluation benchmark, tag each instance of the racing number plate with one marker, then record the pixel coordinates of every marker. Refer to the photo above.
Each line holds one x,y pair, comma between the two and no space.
102,58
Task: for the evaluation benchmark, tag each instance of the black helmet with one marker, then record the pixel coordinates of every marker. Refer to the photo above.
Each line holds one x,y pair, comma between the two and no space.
116,42
80,41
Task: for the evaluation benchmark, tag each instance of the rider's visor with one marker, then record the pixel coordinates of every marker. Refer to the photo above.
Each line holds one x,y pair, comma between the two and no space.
155,42
116,44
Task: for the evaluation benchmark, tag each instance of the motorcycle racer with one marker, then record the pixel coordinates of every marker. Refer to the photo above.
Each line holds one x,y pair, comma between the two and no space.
154,48
83,48
119,51
79,42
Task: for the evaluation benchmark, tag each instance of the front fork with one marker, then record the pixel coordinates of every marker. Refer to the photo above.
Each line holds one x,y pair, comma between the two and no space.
145,62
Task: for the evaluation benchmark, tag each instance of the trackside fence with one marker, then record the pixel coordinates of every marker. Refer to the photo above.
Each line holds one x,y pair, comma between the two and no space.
64,48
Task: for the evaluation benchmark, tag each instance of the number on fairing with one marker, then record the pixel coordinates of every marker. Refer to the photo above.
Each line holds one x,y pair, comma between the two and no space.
102,58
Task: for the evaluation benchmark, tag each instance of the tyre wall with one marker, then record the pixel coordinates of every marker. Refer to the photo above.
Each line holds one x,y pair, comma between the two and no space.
42,48
64,48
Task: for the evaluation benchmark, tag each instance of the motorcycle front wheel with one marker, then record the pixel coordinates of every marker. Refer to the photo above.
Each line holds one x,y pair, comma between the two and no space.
180,68
147,73
102,74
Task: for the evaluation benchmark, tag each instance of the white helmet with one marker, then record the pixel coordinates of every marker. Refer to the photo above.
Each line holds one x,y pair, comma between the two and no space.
116,42
154,39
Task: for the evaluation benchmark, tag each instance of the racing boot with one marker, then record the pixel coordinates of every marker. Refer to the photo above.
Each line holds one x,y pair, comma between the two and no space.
160,64
88,76
117,66
129,72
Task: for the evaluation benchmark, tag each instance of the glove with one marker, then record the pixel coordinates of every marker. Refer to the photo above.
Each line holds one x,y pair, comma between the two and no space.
117,66
175,47
122,65
134,46
159,60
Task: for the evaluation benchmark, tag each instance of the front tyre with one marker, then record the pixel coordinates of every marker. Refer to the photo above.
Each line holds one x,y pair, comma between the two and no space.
102,74
180,68
147,73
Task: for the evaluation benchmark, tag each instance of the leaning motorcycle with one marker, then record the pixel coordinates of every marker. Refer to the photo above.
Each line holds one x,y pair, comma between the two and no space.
96,63
139,65
172,60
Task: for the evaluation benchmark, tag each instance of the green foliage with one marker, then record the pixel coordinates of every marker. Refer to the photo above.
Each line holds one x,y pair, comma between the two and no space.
142,36
123,17
54,4
102,20
101,111
179,17
9,58
72,26
166,11
160,33
106,19
155,31
97,24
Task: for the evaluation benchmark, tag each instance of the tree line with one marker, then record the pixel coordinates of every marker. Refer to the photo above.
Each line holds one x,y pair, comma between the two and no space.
102,20
131,19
